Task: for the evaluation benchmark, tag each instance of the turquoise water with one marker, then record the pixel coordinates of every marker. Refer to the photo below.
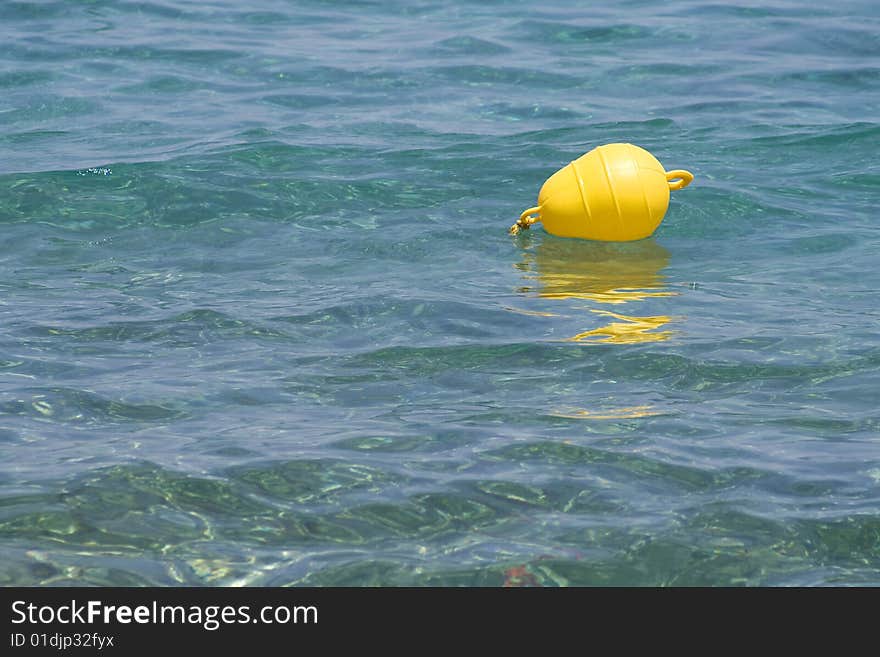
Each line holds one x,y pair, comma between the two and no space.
262,322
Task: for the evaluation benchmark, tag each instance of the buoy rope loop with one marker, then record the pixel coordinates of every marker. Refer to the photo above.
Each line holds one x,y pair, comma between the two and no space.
525,221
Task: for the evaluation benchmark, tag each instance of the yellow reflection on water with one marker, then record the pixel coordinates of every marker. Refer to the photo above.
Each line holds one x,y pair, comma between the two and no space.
608,414
629,330
606,273
602,274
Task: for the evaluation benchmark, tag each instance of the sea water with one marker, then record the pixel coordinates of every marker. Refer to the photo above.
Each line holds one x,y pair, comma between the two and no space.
261,322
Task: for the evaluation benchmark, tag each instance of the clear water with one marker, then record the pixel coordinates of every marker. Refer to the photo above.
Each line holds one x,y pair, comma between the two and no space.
262,323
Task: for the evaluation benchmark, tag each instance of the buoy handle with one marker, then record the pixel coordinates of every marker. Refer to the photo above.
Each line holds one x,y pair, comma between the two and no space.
525,221
679,179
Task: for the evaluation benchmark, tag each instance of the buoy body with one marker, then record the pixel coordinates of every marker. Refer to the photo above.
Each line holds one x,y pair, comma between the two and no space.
614,193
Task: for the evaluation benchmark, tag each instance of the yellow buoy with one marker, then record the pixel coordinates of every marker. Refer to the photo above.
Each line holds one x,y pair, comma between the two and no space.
614,193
